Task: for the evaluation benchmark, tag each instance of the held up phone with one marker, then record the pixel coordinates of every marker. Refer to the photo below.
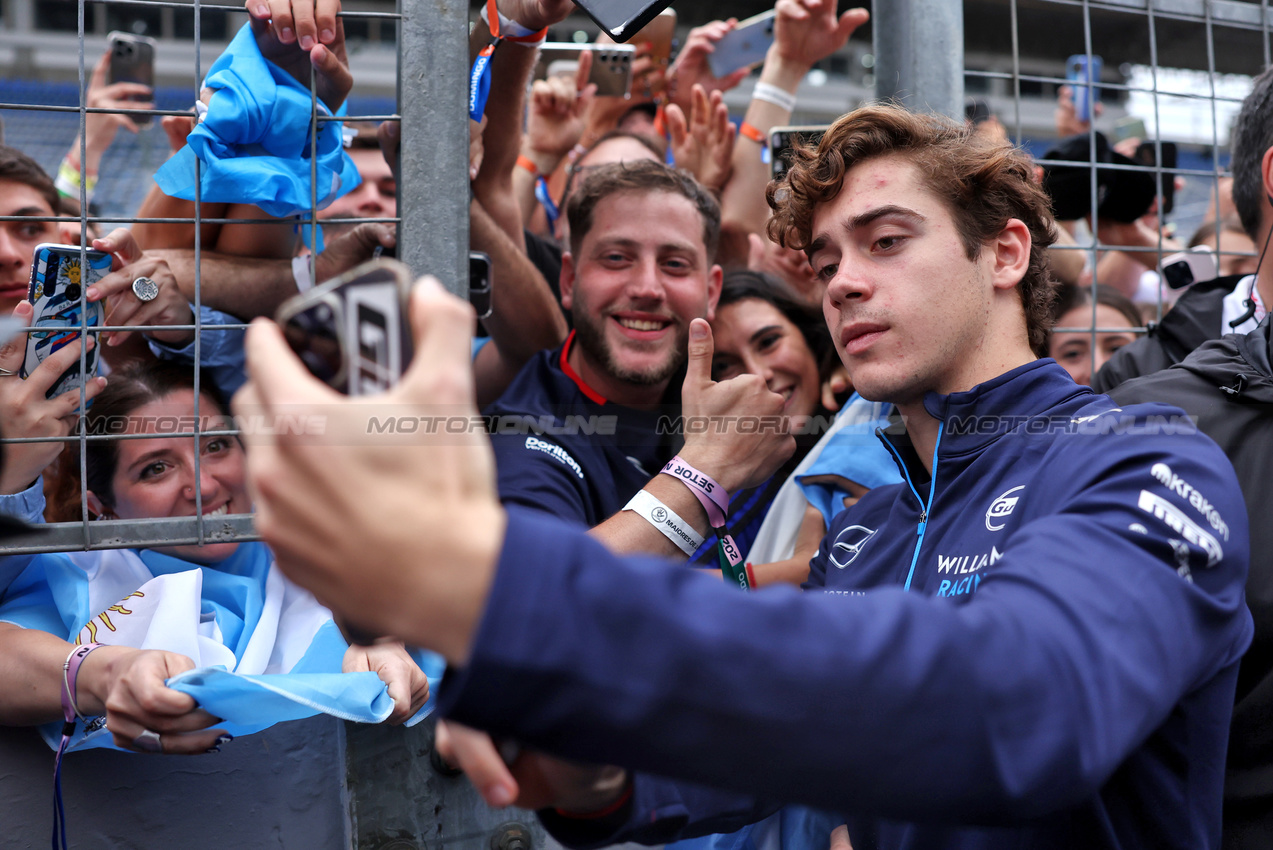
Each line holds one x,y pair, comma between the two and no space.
1084,77
784,140
133,61
1147,154
1189,267
351,332
480,283
611,65
622,19
661,35
1129,127
57,282
745,45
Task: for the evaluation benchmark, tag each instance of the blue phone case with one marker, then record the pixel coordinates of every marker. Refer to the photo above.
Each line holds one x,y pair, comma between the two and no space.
56,283
1084,81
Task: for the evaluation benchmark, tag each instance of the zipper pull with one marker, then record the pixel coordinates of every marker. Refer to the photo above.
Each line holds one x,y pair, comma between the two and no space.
923,523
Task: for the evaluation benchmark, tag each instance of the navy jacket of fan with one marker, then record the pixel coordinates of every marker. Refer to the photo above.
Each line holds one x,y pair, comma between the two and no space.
560,447
1228,385
1037,647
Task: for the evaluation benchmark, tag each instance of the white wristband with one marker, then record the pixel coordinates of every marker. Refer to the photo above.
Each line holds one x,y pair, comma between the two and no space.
507,26
774,95
665,520
300,272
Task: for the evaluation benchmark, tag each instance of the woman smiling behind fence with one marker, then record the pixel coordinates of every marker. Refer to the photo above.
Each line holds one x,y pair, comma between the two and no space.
248,618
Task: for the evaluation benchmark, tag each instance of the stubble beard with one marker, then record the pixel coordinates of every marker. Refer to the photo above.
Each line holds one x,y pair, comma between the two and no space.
591,337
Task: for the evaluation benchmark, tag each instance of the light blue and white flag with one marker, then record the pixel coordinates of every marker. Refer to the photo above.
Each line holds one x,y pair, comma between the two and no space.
254,141
264,649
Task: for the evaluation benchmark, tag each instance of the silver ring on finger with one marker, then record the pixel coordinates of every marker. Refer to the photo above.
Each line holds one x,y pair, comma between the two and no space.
145,289
149,742
7,373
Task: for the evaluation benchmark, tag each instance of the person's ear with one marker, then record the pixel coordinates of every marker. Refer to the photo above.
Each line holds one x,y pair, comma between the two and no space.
1266,175
1011,252
96,508
715,276
567,279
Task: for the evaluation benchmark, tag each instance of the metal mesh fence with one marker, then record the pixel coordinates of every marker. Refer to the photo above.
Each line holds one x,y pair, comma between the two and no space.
1180,67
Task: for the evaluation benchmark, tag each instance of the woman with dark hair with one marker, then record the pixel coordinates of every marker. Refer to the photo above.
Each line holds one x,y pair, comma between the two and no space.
761,328
1083,349
218,603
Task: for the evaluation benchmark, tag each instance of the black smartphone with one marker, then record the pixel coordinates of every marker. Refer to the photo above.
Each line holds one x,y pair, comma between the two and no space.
622,19
480,283
784,140
1146,154
132,60
352,332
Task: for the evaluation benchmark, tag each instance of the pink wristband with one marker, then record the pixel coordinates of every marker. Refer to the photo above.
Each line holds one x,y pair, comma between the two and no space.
70,675
710,494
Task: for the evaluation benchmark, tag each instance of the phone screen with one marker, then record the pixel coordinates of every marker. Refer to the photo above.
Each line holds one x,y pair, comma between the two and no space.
622,19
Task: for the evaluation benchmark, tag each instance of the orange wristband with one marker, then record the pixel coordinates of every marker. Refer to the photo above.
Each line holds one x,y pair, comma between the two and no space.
525,162
601,813
750,132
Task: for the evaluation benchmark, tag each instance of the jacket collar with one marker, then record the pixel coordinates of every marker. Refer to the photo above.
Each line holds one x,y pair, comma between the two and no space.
974,419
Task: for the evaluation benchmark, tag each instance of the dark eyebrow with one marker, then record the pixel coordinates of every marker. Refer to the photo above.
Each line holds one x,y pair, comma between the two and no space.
32,211
766,329
864,219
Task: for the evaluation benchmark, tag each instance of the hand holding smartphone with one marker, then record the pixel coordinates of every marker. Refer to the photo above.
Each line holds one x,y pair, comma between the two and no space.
58,280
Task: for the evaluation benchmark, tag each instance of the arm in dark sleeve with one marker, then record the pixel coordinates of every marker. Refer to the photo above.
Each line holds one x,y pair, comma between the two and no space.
1068,657
538,474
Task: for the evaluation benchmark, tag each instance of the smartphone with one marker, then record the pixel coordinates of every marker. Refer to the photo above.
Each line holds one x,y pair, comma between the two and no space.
744,45
351,332
622,19
611,65
1146,154
660,33
1189,267
1084,75
784,140
58,279
1128,127
480,283
132,60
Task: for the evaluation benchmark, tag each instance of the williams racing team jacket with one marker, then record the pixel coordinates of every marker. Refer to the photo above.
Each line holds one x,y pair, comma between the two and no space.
1035,647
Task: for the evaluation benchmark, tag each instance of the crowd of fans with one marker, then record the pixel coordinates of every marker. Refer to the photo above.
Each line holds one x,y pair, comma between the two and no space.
650,281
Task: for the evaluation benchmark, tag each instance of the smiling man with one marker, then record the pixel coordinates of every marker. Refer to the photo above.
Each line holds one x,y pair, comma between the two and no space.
1031,642
640,269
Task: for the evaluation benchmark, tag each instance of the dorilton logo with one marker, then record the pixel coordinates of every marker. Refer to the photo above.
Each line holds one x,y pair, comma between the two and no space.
848,543
1001,508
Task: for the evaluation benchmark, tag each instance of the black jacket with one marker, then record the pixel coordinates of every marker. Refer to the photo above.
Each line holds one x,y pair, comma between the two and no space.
1228,385
1195,319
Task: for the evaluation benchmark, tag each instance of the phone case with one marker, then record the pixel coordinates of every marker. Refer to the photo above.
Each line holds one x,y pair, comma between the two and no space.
1085,83
352,332
745,45
611,64
56,283
133,61
783,139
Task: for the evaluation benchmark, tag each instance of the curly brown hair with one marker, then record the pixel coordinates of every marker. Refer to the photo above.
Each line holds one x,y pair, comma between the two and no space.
983,184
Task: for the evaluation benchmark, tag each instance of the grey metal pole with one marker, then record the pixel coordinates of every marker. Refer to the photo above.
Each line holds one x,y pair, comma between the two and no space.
919,54
433,198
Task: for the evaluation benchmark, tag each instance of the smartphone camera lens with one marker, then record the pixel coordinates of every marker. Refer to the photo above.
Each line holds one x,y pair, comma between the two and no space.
73,292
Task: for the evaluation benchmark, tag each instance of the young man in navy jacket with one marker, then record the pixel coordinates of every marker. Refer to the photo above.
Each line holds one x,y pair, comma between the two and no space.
1032,642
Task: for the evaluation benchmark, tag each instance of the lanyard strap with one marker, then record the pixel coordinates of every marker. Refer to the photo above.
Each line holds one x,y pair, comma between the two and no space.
70,711
480,75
